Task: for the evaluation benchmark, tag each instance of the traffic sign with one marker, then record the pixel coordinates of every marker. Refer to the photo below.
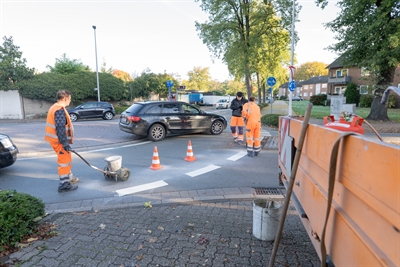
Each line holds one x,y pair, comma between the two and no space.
292,86
170,83
269,90
271,81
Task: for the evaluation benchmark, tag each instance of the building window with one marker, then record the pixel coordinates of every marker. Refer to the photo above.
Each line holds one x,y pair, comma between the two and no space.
305,94
305,86
310,94
311,86
341,73
324,85
363,89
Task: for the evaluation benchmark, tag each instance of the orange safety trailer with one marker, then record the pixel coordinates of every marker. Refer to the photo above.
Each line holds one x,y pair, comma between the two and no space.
363,228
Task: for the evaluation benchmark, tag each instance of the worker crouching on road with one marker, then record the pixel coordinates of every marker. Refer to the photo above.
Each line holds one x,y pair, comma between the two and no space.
60,134
237,119
252,116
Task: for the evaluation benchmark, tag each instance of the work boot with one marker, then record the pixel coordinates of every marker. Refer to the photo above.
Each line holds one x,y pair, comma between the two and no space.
240,142
73,179
250,154
235,139
256,154
66,187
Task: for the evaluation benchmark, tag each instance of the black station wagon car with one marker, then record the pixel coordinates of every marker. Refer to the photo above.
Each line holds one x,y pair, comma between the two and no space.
155,119
90,110
8,151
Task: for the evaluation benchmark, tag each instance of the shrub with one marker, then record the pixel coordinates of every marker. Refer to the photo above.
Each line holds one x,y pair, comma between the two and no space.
262,105
17,214
366,101
351,93
392,102
318,100
271,119
282,97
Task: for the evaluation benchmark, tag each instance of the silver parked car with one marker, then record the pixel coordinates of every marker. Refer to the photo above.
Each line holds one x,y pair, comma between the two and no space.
222,103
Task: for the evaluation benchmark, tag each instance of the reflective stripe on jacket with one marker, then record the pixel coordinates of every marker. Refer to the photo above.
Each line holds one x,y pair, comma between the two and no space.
50,132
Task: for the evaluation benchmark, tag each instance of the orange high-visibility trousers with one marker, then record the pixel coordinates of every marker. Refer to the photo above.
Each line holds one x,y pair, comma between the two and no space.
64,160
239,123
253,136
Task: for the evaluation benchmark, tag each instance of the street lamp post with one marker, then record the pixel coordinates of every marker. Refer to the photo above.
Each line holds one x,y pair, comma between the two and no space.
97,69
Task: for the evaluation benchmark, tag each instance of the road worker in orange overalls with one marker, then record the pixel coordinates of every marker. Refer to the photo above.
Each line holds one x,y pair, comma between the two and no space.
60,133
252,117
237,119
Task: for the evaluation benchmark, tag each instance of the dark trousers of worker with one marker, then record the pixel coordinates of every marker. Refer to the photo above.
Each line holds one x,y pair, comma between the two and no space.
64,160
253,134
239,123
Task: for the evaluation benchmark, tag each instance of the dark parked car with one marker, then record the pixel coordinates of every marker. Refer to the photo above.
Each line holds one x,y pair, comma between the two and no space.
8,151
155,119
297,98
90,110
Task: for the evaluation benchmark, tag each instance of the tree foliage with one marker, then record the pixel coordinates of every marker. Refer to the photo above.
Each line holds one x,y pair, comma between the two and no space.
64,65
368,35
199,79
13,67
122,75
249,36
150,83
311,69
81,84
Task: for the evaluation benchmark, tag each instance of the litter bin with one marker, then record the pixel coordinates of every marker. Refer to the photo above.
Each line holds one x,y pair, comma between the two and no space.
266,215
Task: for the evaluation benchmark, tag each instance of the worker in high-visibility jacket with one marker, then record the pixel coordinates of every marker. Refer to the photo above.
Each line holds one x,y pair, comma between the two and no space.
59,133
252,117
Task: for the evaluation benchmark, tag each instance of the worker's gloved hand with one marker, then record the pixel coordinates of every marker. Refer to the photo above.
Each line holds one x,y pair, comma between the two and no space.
67,148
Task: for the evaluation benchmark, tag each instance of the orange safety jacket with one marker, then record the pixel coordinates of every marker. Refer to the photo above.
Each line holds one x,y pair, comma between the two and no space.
50,132
251,112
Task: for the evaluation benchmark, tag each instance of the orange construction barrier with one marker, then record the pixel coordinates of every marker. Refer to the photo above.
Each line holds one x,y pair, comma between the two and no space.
189,153
155,163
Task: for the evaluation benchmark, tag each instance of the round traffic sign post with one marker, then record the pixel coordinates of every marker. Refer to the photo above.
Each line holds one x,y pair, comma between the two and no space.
271,81
292,86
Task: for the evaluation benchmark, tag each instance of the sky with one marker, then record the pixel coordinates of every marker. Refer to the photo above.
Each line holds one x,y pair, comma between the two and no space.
133,35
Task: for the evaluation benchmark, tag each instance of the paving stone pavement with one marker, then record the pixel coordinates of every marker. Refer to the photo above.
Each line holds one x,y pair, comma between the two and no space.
184,234
187,228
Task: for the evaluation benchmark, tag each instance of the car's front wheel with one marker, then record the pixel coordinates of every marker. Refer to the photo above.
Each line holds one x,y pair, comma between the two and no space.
156,133
73,117
217,127
108,116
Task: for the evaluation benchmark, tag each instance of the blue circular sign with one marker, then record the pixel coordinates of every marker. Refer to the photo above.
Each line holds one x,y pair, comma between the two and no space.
170,83
271,81
292,86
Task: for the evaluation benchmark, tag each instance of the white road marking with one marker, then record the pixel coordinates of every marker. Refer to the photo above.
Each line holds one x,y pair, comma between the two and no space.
203,170
143,187
265,133
89,151
237,156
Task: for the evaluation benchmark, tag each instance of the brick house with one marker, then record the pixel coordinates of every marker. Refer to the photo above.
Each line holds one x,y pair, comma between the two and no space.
340,76
314,86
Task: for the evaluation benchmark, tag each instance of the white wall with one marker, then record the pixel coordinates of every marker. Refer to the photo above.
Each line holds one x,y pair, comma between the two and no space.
10,105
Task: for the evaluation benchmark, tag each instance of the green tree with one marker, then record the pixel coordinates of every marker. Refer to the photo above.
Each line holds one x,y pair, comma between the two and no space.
150,83
246,34
199,79
64,65
311,69
13,67
232,87
368,34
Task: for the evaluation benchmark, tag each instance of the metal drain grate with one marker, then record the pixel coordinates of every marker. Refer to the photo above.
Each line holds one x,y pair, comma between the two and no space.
268,191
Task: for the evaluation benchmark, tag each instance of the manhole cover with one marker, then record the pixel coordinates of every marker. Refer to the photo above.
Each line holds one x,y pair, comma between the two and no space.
268,191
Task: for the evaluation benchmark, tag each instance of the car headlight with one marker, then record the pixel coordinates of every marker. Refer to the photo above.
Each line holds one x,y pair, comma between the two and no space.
6,143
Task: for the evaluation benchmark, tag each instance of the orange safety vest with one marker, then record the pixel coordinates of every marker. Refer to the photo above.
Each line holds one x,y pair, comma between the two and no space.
51,134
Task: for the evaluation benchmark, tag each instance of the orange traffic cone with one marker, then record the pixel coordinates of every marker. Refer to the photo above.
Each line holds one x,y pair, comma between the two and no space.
189,153
155,163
